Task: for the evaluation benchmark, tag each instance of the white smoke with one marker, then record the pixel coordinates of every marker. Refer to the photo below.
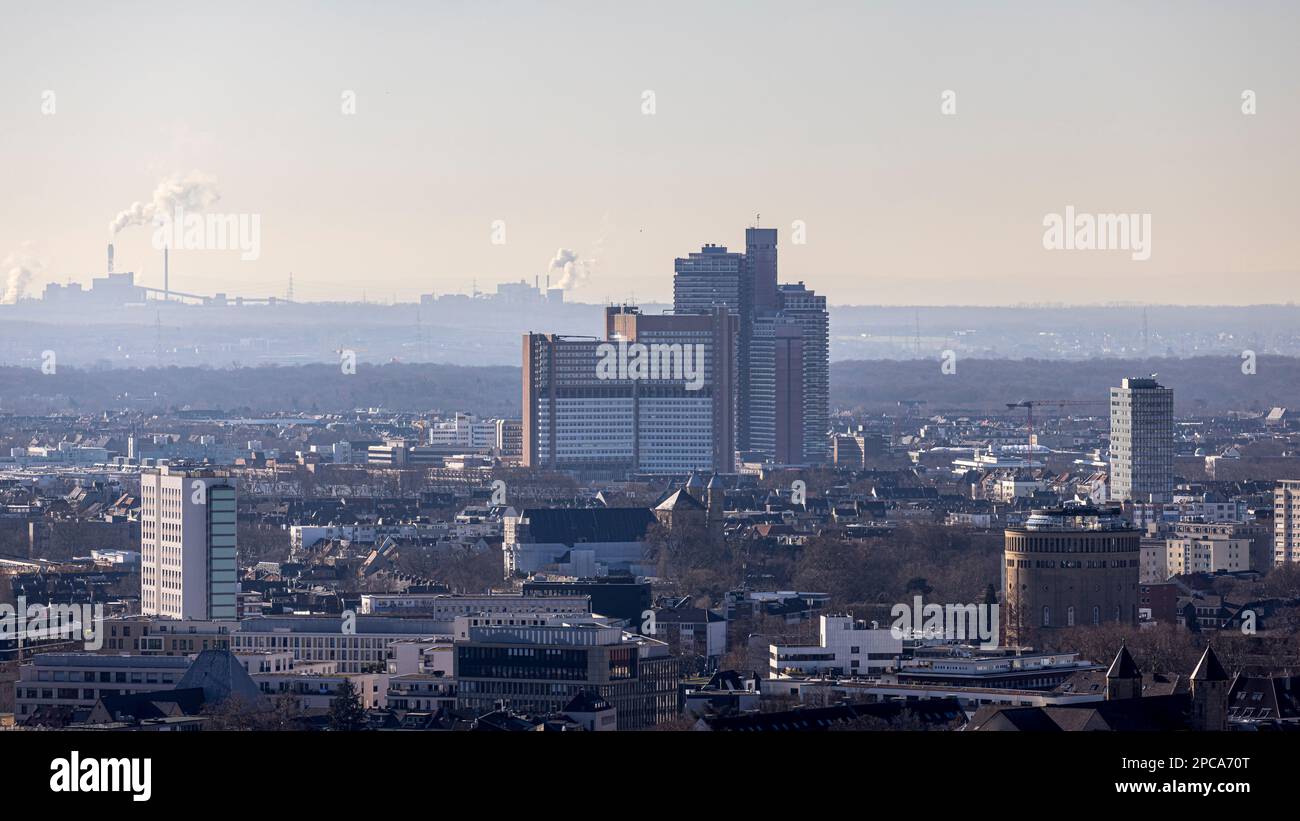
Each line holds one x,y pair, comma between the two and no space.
19,268
570,266
573,269
192,192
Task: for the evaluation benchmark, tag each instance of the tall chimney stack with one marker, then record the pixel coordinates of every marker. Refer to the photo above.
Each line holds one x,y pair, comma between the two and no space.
166,277
110,257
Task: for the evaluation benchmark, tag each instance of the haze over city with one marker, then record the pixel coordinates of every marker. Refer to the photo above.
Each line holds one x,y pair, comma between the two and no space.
536,116
399,376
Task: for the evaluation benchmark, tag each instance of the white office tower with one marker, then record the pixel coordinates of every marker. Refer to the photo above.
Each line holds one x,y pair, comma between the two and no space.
1142,441
187,544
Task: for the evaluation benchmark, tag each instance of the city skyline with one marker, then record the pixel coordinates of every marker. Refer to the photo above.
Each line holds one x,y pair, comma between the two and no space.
926,370
785,118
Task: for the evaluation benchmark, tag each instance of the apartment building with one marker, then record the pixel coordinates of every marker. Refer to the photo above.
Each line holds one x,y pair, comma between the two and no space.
1286,521
187,543
1142,441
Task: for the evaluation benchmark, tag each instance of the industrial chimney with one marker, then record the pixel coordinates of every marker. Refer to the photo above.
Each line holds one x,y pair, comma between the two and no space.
110,257
166,277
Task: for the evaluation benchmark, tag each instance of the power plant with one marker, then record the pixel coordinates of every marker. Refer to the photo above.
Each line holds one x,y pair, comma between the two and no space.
119,289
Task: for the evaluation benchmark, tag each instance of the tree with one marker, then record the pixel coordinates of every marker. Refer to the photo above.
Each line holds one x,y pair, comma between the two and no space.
279,713
346,713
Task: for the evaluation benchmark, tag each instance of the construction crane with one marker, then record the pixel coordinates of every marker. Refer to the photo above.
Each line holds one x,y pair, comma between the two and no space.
1030,404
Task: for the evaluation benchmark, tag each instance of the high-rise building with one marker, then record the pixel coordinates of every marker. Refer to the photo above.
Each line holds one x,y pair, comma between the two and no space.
1074,565
775,399
760,269
1286,522
708,279
1142,441
806,310
656,396
782,349
187,544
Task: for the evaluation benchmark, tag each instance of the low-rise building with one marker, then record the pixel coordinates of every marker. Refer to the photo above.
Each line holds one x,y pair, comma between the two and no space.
538,663
78,680
846,648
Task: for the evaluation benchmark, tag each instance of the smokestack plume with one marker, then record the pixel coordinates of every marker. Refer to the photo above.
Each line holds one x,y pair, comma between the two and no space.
570,266
192,192
19,268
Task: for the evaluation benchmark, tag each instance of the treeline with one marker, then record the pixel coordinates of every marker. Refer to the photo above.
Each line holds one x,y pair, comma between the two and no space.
1202,385
264,389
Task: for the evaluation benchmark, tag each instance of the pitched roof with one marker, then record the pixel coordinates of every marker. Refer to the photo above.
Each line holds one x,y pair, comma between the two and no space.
935,711
1209,668
147,705
681,500
589,524
587,701
1154,713
1123,667
220,676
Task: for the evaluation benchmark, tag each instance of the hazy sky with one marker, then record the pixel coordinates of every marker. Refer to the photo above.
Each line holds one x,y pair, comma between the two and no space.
531,113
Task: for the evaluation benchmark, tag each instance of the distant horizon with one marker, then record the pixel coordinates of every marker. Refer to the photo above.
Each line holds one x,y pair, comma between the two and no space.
908,153
35,296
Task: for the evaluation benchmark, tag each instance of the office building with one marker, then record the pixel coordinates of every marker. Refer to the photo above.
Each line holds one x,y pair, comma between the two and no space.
617,597
187,544
1142,442
538,663
579,542
656,396
78,680
361,646
708,279
449,605
807,311
782,382
846,647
